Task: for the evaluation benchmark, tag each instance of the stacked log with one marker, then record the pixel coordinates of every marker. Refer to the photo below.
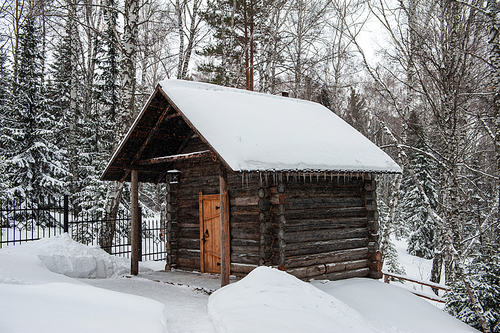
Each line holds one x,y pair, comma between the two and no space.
326,227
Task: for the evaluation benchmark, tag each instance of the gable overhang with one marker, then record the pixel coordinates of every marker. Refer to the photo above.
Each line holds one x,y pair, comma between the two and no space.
128,155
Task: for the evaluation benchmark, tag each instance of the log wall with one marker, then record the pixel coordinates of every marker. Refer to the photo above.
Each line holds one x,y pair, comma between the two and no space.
326,232
200,174
320,226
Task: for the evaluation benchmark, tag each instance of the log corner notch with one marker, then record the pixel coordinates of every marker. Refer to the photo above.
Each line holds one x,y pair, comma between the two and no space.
374,255
225,238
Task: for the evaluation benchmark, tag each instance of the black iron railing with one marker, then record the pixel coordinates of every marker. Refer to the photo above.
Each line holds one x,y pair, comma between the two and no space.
24,221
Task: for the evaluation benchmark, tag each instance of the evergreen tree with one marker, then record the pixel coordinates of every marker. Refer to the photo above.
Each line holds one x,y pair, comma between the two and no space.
58,89
390,257
34,164
68,130
484,276
414,215
100,123
356,114
5,123
237,30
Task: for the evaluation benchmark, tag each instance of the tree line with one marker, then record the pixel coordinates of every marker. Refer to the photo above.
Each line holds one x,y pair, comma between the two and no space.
74,74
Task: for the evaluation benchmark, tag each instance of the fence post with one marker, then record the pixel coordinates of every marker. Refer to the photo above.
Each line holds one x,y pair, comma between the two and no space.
66,213
139,226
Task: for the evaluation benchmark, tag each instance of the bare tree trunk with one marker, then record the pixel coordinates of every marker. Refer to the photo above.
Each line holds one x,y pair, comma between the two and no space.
108,226
193,28
179,9
126,110
494,53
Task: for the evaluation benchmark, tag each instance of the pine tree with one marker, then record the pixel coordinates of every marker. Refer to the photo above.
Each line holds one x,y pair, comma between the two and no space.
100,123
390,257
238,27
64,93
484,276
5,123
34,165
413,214
356,114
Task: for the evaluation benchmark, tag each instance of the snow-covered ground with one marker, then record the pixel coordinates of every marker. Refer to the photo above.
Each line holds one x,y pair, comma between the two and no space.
416,268
58,285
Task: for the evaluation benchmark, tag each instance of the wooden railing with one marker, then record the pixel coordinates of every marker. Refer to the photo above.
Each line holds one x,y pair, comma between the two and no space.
433,285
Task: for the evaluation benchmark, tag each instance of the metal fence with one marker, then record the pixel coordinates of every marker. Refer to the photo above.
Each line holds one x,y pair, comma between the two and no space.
24,221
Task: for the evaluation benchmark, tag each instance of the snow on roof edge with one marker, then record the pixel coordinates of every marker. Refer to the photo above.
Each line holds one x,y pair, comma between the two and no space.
202,102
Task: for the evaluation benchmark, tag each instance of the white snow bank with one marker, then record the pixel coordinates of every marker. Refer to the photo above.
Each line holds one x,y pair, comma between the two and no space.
35,299
268,300
61,254
391,307
66,307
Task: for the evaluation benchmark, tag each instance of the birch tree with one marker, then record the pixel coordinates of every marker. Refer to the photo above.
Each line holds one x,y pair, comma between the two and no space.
126,111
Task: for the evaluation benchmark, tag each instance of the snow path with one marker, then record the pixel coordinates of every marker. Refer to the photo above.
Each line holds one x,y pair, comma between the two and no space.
185,306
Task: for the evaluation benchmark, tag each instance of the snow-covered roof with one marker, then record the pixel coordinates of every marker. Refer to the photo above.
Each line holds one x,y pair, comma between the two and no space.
260,132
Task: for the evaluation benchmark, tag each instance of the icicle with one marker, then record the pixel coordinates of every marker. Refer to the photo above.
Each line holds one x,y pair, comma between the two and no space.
260,175
311,177
317,177
324,175
242,180
274,177
344,177
265,176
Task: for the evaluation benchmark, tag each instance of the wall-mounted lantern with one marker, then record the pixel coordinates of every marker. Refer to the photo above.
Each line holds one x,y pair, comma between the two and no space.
174,176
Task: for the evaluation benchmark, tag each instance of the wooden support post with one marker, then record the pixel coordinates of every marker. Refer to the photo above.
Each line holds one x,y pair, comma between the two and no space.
225,240
134,212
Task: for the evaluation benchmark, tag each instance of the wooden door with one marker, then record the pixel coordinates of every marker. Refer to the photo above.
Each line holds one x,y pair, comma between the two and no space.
210,260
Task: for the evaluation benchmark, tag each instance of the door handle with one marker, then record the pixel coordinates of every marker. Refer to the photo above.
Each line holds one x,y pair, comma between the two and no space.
205,236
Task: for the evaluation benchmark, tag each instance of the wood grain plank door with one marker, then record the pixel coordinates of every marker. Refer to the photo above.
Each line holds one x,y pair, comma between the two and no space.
210,259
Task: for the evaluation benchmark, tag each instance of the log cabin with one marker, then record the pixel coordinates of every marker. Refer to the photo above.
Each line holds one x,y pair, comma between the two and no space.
256,179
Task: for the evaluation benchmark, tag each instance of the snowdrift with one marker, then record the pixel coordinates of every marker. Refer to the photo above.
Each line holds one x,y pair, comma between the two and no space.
268,300
61,254
392,306
38,298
